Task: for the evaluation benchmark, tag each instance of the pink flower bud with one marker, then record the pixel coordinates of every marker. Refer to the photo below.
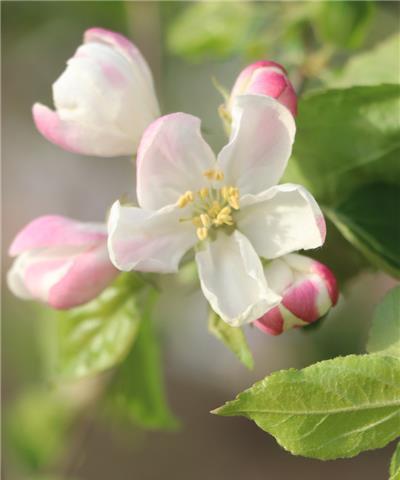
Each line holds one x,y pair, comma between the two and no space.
60,261
265,78
308,289
103,100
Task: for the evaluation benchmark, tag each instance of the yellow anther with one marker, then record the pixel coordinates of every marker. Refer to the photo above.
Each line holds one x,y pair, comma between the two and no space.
205,220
214,209
202,233
212,174
204,192
224,217
186,198
225,193
197,222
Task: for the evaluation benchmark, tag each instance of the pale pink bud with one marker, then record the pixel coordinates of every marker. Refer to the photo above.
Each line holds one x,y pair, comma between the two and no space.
103,100
308,289
265,78
60,261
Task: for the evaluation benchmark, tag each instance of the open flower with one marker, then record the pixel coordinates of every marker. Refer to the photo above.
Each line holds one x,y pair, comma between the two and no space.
308,289
60,261
230,208
104,99
265,78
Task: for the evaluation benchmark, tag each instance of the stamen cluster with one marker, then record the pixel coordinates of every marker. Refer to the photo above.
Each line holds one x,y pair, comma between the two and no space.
212,207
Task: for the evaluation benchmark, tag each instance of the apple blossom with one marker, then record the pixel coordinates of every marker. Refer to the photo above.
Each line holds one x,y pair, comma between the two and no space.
104,99
265,78
60,261
230,208
308,289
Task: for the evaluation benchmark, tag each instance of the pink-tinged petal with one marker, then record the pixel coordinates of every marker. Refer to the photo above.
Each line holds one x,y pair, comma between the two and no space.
283,219
260,144
330,281
265,78
55,230
302,300
90,273
271,322
77,137
172,158
124,46
148,241
232,279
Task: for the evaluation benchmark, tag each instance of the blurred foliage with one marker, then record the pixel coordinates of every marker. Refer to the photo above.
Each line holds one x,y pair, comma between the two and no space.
395,464
136,394
343,23
369,220
36,427
384,337
375,66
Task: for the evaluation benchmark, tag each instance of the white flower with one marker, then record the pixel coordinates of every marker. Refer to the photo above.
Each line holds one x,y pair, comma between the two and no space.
230,208
104,99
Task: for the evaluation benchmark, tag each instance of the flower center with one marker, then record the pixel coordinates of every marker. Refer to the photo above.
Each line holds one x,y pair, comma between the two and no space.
212,206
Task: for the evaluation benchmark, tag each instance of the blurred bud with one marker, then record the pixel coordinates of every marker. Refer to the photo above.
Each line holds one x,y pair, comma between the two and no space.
60,261
265,78
308,289
104,99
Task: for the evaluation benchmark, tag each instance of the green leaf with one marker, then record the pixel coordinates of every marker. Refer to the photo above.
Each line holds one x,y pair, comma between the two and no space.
332,409
368,219
233,338
395,464
346,138
343,23
373,67
36,428
210,30
136,393
384,337
98,335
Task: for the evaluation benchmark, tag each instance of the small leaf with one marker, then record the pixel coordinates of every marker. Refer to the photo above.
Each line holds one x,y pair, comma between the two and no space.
368,219
347,138
232,337
136,393
98,335
332,409
395,464
384,336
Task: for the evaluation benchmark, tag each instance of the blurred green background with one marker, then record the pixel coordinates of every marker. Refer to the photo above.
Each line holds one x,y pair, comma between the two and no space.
186,45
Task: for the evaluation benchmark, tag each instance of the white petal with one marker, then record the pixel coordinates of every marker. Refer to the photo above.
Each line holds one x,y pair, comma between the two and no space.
279,275
148,241
281,220
260,145
171,159
233,281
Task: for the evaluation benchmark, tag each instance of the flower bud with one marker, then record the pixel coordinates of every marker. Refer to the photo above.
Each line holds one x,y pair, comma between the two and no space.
308,290
61,262
265,78
103,100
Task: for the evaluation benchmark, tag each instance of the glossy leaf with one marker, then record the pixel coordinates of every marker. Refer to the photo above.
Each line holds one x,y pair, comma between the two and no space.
347,138
384,337
232,337
369,219
332,409
136,394
98,335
